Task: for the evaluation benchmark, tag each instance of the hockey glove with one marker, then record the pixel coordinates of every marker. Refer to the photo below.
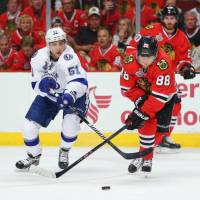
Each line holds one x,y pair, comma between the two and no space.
65,99
188,71
140,101
48,82
136,119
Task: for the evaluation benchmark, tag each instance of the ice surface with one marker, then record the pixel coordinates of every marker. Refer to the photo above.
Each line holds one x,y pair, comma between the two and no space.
174,176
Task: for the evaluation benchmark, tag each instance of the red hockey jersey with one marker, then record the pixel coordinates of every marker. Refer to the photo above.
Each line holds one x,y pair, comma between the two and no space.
159,75
176,46
110,60
77,20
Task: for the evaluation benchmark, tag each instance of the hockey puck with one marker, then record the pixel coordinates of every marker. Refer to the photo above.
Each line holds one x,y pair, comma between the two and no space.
105,187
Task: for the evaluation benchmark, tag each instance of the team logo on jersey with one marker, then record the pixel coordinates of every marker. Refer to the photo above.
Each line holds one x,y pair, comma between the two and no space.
162,64
128,59
97,102
68,57
159,37
140,73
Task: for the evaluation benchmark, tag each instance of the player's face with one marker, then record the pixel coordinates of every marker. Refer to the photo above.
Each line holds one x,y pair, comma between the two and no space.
57,48
145,61
170,3
104,39
25,25
170,22
190,22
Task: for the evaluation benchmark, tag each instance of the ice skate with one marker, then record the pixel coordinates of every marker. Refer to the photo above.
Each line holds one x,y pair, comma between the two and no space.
135,165
168,146
63,158
146,167
26,163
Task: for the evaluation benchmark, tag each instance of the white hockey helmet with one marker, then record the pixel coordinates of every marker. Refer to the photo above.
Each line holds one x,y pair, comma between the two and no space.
55,34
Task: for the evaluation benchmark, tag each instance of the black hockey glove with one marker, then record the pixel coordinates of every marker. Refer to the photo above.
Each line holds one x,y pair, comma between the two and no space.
136,119
188,71
139,101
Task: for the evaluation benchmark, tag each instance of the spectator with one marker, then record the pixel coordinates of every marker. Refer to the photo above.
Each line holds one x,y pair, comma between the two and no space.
72,18
25,25
104,56
110,15
197,11
155,4
37,11
124,31
87,4
22,58
147,14
87,36
9,18
191,29
6,53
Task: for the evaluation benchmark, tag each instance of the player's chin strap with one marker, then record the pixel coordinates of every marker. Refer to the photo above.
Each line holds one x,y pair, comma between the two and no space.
47,173
127,156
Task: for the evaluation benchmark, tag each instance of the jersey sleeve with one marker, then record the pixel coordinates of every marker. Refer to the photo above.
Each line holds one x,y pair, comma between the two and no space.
184,53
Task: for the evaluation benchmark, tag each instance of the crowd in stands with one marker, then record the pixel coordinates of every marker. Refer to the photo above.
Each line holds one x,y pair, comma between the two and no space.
98,30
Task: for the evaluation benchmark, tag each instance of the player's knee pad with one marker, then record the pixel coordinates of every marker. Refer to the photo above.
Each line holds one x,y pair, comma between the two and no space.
70,125
30,130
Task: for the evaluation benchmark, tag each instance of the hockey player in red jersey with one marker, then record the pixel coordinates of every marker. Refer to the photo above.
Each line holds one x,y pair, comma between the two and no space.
153,105
174,42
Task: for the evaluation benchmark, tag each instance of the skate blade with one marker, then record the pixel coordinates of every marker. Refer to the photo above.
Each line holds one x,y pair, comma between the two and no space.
21,170
164,150
42,172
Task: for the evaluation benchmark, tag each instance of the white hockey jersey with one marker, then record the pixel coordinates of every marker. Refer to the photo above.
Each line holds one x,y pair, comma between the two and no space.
67,71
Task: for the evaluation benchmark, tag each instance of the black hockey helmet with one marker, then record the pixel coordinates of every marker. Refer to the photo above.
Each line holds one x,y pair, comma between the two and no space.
147,46
170,10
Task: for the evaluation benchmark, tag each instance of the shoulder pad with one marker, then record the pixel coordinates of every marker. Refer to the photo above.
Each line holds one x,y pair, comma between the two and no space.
162,64
150,26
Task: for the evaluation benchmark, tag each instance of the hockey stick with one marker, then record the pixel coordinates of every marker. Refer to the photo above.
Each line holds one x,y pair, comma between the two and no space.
124,155
49,174
127,156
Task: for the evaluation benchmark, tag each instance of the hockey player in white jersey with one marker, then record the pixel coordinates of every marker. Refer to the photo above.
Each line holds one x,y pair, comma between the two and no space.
54,67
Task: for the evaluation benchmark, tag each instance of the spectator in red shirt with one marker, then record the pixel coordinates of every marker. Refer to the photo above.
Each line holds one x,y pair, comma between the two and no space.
6,53
25,25
37,11
72,18
9,19
22,58
110,15
104,56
